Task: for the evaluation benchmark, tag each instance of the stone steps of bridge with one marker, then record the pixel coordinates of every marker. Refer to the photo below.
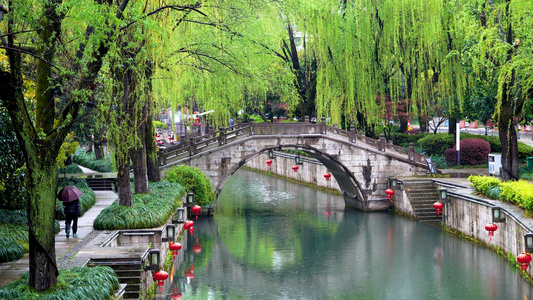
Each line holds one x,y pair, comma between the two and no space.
422,195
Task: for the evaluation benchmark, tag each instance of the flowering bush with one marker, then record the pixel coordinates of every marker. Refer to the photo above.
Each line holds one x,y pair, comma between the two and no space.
473,152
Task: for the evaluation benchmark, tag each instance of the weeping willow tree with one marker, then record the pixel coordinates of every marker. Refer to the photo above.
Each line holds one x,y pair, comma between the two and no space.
221,57
407,50
499,34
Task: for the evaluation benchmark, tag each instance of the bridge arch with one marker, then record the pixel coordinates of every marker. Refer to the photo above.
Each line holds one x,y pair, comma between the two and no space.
347,182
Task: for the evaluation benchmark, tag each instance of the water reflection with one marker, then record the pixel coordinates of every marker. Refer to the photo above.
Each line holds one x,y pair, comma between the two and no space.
272,239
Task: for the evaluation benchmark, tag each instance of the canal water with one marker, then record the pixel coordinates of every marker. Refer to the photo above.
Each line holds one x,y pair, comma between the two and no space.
273,239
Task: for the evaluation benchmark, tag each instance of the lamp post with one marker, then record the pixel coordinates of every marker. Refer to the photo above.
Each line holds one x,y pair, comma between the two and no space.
179,216
458,140
171,233
153,258
497,215
298,160
271,154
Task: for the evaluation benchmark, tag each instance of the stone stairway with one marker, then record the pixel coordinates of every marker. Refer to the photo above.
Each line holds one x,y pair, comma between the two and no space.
101,183
128,270
422,194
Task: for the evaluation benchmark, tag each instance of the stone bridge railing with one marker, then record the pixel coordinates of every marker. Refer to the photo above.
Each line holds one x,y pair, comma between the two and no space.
223,136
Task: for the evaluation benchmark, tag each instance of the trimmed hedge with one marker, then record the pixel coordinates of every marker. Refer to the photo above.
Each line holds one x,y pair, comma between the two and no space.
518,192
436,144
193,180
76,283
71,169
404,139
88,160
148,210
473,152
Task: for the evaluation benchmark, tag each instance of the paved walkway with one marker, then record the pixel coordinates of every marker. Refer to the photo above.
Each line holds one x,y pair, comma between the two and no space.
66,249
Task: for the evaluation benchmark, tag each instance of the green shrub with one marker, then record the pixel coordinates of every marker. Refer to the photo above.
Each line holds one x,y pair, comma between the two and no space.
436,144
77,283
71,169
482,183
493,192
404,139
518,192
88,160
159,124
193,180
440,161
147,211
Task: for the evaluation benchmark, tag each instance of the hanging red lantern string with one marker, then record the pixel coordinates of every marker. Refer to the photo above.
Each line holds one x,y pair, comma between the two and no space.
160,276
390,193
269,162
174,247
327,176
524,259
491,228
196,210
438,207
295,168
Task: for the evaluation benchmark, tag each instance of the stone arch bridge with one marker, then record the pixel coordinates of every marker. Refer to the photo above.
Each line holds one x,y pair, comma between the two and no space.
360,165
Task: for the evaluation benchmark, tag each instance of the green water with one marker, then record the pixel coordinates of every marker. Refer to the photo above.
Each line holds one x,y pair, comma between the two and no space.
272,239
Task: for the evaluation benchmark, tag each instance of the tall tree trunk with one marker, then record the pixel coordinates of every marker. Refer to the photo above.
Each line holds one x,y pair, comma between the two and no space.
138,157
98,149
123,178
152,163
507,132
41,187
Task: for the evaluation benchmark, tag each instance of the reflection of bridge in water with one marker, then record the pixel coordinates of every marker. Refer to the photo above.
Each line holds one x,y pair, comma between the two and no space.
360,165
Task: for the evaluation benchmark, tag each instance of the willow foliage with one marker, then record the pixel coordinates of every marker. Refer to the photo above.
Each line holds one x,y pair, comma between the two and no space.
407,49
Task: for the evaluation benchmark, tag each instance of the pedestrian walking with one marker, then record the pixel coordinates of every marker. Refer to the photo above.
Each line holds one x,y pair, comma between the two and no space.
72,212
70,196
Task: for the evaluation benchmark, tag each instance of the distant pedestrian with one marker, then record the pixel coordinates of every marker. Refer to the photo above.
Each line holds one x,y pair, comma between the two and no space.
72,212
231,123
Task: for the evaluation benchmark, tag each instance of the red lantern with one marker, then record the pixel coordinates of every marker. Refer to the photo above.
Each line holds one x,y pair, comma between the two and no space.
327,176
175,247
189,274
295,168
438,207
160,276
169,138
524,259
390,193
191,230
188,224
269,162
196,248
163,113
196,210
158,135
491,228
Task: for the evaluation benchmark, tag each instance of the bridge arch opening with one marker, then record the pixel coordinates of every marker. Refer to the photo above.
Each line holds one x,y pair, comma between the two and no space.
347,182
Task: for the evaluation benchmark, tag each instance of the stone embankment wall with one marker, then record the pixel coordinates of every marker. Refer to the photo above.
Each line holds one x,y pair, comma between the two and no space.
466,213
310,171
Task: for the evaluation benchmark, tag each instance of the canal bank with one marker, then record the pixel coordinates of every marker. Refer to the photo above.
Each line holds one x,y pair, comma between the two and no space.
464,213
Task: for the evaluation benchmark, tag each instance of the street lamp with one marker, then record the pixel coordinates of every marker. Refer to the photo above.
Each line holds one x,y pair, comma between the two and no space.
190,198
497,215
392,183
179,216
153,258
528,242
298,160
171,230
271,154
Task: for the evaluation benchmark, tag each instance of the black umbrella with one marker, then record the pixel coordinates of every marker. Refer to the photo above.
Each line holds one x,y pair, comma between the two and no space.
69,193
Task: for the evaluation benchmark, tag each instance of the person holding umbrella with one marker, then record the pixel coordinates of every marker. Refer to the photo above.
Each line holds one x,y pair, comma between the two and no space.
70,196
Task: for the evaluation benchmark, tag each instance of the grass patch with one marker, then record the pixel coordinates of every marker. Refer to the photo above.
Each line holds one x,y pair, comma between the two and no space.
148,210
88,160
77,283
14,234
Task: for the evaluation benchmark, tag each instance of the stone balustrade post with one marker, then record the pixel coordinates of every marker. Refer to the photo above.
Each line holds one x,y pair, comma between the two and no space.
412,151
306,119
222,136
352,134
382,142
323,125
